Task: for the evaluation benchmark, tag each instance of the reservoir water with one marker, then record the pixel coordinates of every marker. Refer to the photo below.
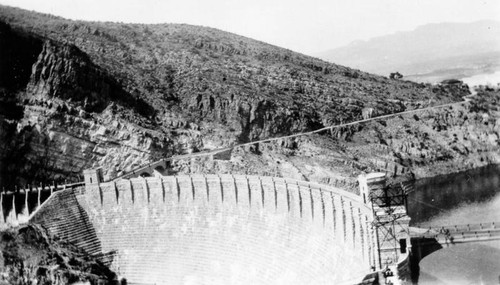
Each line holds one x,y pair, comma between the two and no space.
483,79
471,197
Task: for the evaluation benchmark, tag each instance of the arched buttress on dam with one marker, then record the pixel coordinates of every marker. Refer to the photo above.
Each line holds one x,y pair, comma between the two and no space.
213,229
16,207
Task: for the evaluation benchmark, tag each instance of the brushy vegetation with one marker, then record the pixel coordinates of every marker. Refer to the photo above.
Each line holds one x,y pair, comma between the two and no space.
170,65
186,88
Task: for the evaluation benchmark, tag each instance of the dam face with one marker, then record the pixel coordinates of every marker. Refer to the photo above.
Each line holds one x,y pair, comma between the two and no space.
224,229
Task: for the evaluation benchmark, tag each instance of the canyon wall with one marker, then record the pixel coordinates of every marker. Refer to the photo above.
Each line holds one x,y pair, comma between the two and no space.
77,95
437,141
58,114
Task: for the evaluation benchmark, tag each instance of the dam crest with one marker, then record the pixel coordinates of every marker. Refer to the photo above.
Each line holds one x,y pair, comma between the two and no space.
212,229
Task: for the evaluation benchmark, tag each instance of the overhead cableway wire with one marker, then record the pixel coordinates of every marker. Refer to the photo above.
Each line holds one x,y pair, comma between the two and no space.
427,204
211,152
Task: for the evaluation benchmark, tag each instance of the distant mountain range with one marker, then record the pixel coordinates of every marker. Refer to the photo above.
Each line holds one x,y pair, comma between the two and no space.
122,95
429,53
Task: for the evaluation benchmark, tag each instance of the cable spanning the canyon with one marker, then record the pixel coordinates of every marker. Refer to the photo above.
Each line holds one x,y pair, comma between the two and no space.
219,150
352,123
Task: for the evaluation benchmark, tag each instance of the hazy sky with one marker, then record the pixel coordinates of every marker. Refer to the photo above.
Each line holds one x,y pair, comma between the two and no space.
306,26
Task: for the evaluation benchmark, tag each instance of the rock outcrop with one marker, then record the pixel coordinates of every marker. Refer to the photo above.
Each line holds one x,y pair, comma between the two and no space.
65,118
78,95
29,255
439,141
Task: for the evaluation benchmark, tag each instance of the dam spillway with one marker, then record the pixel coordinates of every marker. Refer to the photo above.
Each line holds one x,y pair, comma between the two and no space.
212,229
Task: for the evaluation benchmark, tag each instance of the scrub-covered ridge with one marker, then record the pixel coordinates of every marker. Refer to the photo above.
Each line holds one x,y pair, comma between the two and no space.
79,94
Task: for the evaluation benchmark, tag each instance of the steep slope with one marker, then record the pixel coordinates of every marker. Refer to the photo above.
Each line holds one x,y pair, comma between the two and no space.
29,254
83,94
460,49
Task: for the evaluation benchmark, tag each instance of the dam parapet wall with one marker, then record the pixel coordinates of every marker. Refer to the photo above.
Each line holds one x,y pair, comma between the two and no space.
229,229
16,207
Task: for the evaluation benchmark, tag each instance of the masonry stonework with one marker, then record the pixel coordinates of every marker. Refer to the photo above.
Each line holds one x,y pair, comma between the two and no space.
230,229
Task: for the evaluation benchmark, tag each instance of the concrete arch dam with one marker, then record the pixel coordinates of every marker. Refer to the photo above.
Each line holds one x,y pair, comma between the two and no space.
224,229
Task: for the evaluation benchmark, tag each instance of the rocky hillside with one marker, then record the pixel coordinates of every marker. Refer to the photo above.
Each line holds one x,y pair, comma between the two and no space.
28,255
77,94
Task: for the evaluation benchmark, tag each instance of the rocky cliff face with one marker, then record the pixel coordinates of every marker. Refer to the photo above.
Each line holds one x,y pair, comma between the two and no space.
65,117
29,255
76,95
422,144
438,141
